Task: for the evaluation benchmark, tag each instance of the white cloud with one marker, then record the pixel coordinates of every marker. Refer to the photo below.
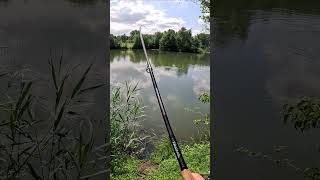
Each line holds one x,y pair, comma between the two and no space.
127,15
196,31
205,26
201,79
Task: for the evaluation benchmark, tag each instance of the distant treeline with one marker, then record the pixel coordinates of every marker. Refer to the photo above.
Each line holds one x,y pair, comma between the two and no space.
168,41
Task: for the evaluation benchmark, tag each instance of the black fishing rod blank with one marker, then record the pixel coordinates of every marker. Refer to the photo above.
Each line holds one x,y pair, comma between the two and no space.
172,138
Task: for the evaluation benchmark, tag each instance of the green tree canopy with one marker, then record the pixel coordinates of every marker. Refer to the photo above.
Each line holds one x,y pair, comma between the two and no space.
135,39
156,40
114,43
168,41
184,40
203,39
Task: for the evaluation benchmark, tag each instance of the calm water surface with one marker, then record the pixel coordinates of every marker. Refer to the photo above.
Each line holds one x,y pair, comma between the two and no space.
265,55
180,76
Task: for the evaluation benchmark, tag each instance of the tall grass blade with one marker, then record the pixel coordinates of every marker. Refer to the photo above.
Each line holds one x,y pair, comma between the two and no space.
34,172
58,120
88,146
60,61
91,88
53,74
79,84
59,93
23,95
30,113
24,107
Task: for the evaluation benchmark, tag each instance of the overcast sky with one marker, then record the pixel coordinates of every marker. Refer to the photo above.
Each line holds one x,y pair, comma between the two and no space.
155,15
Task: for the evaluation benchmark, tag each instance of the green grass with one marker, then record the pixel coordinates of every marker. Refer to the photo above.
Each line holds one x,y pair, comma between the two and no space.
126,169
165,165
196,155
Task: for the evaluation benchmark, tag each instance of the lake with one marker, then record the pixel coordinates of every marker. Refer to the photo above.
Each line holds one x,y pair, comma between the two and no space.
181,77
266,54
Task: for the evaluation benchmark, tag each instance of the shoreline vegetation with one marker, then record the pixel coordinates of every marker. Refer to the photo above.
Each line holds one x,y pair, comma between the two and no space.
170,40
129,141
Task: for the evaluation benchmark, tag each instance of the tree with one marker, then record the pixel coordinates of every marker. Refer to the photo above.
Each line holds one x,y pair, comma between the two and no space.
135,39
156,40
148,41
114,43
123,38
134,33
168,41
203,39
205,9
195,44
184,40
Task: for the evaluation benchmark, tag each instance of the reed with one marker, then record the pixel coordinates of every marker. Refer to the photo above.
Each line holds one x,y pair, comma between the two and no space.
47,148
126,114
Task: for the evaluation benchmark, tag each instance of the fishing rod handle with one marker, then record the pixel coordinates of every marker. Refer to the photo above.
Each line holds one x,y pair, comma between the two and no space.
177,151
175,145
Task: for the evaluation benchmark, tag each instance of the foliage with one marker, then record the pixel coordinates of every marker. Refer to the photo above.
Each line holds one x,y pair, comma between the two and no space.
114,44
205,9
304,114
204,97
31,147
135,39
156,40
126,169
202,41
168,41
184,40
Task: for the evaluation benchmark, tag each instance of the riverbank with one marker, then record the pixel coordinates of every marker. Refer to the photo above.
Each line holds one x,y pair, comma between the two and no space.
163,163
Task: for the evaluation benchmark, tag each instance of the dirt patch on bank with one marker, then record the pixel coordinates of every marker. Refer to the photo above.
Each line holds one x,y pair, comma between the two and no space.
146,167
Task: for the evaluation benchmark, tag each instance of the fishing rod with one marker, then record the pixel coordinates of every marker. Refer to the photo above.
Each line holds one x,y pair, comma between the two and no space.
172,138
